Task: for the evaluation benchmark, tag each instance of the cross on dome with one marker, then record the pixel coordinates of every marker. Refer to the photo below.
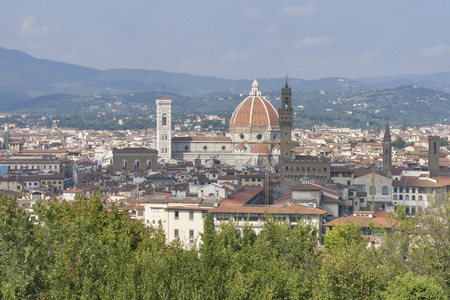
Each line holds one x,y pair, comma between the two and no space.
255,88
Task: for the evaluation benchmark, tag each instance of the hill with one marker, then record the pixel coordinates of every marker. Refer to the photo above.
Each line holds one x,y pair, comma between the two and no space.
39,86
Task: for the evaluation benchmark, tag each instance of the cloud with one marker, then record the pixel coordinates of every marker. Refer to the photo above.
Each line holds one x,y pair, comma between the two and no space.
441,50
273,29
298,11
311,41
252,12
33,26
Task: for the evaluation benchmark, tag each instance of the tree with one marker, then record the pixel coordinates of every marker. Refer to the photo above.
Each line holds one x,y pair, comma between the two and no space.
342,236
411,287
55,144
21,265
399,143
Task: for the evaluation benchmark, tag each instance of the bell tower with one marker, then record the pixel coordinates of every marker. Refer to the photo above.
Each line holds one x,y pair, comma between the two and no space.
164,128
387,151
286,120
433,154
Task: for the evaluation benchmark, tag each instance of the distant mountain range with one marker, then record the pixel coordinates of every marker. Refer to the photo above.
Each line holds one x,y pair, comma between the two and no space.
23,77
32,85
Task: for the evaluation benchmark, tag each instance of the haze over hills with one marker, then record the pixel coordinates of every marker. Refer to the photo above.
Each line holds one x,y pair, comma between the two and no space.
32,85
24,77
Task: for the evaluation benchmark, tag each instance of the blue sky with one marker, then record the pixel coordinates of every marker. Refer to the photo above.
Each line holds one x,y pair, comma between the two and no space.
235,39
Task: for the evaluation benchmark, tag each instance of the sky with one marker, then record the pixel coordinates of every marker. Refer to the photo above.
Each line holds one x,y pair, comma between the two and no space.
235,39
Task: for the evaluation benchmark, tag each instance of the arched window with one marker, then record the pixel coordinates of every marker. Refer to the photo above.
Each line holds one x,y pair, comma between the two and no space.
149,164
124,164
384,190
136,164
420,198
395,190
407,197
413,197
400,197
395,197
164,120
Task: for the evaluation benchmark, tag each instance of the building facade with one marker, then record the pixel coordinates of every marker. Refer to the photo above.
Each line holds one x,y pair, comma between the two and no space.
164,128
134,159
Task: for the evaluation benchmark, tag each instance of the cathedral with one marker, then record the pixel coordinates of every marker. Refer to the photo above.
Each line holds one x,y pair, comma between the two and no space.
253,137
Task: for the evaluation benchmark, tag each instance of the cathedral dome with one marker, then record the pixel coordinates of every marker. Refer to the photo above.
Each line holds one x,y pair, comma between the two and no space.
260,148
254,111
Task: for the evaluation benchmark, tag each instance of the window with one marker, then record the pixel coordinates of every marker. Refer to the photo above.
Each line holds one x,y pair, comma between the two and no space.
223,147
259,136
155,209
191,215
413,197
395,197
60,182
136,164
140,213
164,120
253,217
395,190
54,182
149,164
191,236
186,147
175,233
205,148
177,215
124,164
384,190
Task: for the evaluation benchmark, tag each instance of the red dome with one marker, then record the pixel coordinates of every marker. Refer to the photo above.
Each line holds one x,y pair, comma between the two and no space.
254,111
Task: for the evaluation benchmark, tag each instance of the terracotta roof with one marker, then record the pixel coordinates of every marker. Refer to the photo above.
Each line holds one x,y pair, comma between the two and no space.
260,148
306,187
291,209
254,111
364,221
411,181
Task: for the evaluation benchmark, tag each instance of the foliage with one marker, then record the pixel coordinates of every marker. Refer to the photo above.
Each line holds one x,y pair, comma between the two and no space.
399,143
55,144
81,251
410,286
343,236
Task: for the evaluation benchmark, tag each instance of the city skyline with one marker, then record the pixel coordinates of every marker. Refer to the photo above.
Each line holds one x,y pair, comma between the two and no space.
235,39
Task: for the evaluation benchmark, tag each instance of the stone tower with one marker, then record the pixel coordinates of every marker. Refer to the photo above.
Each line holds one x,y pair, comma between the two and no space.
433,154
387,151
164,128
286,120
